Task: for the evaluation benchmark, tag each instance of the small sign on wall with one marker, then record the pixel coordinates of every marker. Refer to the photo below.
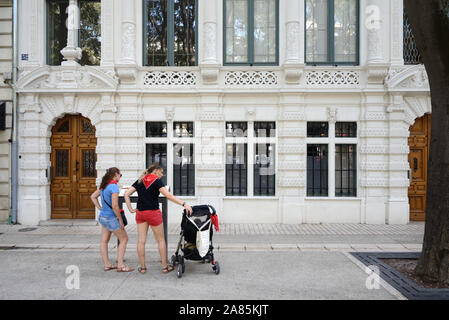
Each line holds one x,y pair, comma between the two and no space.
24,56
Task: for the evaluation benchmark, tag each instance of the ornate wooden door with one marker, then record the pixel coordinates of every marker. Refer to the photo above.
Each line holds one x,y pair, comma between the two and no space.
73,160
419,142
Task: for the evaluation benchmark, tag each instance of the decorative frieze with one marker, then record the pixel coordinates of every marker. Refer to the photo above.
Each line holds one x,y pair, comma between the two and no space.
170,78
252,78
337,78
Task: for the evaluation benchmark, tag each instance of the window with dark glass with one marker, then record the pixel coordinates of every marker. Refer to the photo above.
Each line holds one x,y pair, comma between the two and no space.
346,129
155,129
251,32
182,129
332,32
317,170
264,170
183,170
170,32
264,129
90,32
317,129
157,153
236,169
236,129
345,170
89,36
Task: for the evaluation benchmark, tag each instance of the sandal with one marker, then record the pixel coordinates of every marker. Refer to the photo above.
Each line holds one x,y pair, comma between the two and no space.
125,269
109,268
142,270
168,269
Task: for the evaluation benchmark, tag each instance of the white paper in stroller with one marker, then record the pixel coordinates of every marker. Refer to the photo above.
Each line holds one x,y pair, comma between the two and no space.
202,241
202,237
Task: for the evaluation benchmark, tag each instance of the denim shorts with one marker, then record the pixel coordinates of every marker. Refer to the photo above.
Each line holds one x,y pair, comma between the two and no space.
111,223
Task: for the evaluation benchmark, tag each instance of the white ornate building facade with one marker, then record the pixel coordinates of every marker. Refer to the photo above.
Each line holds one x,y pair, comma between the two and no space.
326,79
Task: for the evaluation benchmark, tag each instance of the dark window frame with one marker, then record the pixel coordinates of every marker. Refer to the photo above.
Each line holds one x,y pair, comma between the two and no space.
331,37
264,185
170,34
250,52
178,170
47,46
190,128
160,124
164,165
351,171
241,169
323,189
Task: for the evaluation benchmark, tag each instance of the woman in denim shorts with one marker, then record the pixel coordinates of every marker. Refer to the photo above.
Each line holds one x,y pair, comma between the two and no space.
110,219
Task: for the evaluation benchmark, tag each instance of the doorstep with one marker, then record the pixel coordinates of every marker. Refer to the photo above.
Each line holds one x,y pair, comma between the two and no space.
68,222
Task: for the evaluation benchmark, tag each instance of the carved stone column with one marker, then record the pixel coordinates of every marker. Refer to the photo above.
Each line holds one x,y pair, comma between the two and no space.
209,61
377,68
294,39
127,68
72,53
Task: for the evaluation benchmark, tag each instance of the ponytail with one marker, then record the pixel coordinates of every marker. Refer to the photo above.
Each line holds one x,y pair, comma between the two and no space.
154,166
110,173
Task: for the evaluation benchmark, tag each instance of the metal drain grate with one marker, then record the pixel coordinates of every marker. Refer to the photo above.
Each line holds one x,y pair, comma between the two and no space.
27,229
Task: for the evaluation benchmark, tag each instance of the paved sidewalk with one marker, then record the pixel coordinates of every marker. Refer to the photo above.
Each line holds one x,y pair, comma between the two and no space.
261,261
232,237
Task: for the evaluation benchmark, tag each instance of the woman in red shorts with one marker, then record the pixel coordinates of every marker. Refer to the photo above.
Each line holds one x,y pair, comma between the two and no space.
148,187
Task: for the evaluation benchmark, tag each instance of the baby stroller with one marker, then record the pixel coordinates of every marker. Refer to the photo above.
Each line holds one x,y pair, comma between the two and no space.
196,231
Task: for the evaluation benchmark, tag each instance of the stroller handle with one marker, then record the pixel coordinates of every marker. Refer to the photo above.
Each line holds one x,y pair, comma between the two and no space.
213,209
214,212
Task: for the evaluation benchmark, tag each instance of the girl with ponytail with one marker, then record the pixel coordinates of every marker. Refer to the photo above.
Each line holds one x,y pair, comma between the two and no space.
148,187
110,219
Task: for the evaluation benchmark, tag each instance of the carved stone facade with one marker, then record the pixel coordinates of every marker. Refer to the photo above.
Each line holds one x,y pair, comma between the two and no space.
382,95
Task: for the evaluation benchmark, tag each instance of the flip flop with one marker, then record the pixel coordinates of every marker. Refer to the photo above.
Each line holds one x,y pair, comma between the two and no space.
125,269
109,268
168,269
142,270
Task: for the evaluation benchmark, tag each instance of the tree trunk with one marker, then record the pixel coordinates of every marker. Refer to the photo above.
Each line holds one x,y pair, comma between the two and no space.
430,25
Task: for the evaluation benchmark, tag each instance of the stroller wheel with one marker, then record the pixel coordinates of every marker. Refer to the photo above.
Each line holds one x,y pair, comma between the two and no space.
174,260
179,272
216,267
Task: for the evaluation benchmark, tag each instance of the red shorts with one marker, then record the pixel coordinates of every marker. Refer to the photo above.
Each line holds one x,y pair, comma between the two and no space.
153,217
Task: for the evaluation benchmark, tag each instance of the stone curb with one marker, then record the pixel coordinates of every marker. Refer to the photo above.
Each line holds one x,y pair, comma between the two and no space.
239,247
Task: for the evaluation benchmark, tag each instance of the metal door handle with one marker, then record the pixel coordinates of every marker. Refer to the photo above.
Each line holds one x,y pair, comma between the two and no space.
415,164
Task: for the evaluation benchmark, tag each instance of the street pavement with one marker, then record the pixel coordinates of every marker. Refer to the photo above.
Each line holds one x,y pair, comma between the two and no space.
260,262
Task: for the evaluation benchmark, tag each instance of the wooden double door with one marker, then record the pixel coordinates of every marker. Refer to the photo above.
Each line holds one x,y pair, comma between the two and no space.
419,143
73,173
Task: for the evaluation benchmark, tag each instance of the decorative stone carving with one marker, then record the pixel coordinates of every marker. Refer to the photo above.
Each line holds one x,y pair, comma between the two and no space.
293,31
332,114
169,113
408,78
76,78
210,42
169,78
128,43
72,53
253,78
336,78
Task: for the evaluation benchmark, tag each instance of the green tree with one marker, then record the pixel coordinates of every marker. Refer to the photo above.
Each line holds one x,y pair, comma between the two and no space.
430,25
